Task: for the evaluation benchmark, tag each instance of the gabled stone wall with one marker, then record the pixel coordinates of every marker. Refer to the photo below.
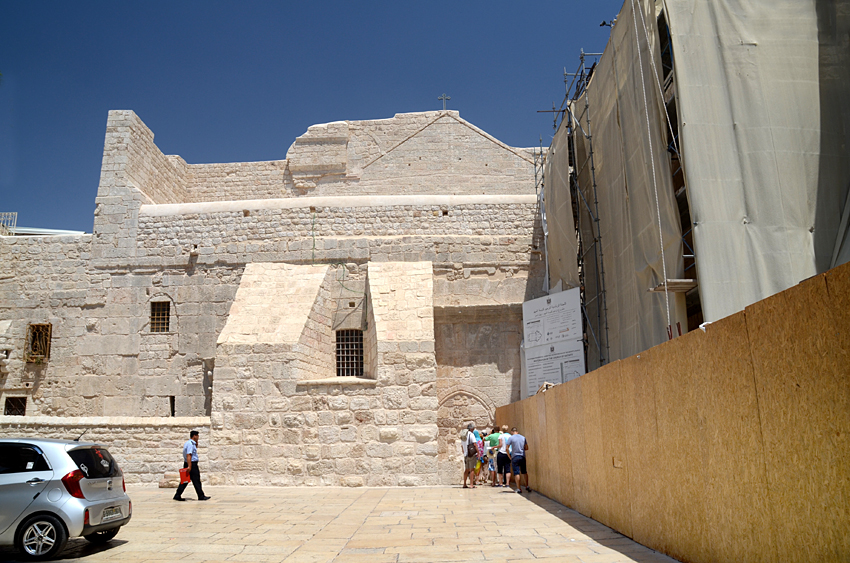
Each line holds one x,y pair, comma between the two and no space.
422,217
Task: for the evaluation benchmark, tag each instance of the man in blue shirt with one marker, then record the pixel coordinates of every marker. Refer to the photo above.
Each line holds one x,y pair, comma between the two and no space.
518,446
190,461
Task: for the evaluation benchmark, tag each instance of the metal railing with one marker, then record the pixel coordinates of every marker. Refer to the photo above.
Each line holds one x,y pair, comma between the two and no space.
8,222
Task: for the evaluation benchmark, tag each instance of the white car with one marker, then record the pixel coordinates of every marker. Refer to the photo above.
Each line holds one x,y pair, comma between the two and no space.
52,490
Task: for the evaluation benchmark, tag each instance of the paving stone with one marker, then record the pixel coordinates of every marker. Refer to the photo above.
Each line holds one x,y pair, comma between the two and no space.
339,524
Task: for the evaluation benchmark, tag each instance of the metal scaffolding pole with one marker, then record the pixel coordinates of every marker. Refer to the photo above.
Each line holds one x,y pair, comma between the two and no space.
586,209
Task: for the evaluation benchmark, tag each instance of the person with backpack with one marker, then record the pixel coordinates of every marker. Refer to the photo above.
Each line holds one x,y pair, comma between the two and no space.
482,455
469,448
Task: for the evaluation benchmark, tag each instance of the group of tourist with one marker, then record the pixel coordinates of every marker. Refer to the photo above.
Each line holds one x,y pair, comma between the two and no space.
497,456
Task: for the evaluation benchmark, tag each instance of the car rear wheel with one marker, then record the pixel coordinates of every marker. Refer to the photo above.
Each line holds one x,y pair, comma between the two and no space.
42,537
103,536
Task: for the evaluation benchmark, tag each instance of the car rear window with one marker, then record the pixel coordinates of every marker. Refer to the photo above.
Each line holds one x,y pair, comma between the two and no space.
95,463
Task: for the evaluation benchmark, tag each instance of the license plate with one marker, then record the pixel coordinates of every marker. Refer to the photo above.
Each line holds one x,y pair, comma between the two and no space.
111,513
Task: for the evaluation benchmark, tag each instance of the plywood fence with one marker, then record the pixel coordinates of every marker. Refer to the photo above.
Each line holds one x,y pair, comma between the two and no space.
724,445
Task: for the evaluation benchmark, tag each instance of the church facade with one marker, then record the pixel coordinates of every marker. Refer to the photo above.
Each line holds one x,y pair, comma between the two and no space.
332,318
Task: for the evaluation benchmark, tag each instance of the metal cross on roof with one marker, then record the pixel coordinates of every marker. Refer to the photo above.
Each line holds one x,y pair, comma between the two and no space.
444,98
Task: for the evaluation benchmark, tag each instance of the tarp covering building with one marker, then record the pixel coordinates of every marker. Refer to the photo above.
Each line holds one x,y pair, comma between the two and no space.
709,143
763,89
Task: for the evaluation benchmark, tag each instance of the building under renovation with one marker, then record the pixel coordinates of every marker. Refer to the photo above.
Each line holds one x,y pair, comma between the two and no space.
699,164
336,316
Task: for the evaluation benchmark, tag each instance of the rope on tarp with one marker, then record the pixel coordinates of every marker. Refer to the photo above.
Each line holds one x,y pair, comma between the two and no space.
652,163
661,91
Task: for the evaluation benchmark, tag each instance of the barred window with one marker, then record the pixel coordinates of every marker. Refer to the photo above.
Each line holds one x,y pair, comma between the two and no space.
160,313
349,353
15,406
38,343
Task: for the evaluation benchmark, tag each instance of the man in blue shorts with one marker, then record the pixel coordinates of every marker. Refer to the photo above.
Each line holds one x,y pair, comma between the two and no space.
518,446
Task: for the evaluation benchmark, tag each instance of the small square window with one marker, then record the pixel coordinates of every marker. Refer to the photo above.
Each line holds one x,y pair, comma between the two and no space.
15,406
349,353
38,343
160,315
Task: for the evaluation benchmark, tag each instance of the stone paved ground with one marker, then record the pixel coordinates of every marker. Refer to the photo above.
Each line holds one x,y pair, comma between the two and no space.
343,525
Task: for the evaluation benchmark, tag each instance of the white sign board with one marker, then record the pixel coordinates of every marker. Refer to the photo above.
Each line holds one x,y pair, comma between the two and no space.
553,363
554,349
553,318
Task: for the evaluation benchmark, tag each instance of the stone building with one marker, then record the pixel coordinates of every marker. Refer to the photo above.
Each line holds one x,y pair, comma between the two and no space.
330,318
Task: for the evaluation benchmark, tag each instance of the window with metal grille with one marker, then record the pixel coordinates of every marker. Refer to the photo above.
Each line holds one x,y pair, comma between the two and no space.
160,312
15,406
38,343
349,353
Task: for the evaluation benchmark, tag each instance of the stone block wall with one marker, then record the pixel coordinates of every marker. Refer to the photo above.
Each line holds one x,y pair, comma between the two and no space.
316,345
167,231
449,156
103,358
134,171
234,181
191,236
429,152
45,280
410,153
144,447
271,426
478,369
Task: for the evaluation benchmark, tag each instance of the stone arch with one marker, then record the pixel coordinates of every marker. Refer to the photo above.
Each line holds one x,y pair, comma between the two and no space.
460,404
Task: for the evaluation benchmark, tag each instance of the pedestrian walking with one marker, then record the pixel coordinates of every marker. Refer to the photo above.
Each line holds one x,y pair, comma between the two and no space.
190,461
518,446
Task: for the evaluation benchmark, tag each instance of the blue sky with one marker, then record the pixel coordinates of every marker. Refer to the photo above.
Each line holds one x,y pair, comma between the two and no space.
238,81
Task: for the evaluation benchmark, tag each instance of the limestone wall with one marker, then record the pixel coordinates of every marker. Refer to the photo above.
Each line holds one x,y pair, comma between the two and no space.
134,171
316,343
103,358
428,152
189,234
273,426
145,448
235,181
230,234
44,280
723,445
478,369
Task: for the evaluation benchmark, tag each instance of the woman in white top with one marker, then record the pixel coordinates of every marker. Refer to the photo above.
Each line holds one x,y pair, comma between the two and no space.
503,459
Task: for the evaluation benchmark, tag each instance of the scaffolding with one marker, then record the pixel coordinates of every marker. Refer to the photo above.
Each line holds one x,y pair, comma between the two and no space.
574,115
585,212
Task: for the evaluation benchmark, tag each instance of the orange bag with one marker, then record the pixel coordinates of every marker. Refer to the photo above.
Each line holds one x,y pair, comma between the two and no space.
184,475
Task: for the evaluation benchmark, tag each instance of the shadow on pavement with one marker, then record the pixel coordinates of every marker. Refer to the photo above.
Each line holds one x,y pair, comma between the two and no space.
76,549
597,531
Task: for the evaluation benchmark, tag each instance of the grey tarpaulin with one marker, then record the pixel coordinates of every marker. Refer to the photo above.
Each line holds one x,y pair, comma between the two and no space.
561,239
762,93
763,100
626,189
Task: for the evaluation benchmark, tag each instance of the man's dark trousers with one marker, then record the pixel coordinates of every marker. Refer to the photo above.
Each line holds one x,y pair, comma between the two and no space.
195,476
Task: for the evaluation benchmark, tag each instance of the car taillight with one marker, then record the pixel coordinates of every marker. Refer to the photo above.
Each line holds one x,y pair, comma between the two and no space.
72,483
86,518
124,484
